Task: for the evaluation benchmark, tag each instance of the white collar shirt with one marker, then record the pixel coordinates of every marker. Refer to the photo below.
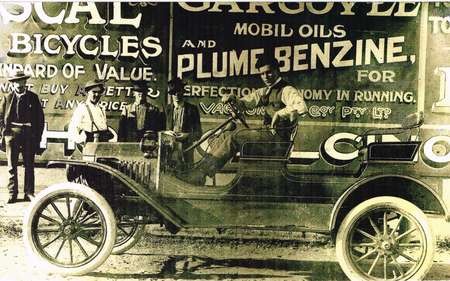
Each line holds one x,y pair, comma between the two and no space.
82,121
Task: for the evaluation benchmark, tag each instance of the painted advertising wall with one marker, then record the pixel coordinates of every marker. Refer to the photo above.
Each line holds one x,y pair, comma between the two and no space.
358,65
64,45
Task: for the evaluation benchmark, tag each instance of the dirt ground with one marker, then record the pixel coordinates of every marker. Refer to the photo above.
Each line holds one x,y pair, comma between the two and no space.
188,257
194,254
204,256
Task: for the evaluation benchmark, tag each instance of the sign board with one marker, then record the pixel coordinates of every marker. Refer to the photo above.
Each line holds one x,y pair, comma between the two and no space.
357,65
64,45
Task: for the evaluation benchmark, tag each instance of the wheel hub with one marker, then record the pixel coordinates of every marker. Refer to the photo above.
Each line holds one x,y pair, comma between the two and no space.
386,245
69,228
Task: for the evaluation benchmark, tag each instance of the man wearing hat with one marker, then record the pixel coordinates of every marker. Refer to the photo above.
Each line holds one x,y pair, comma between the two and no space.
21,124
139,116
183,119
88,123
282,104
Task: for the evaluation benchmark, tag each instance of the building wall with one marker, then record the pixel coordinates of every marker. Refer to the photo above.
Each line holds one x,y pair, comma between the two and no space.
358,65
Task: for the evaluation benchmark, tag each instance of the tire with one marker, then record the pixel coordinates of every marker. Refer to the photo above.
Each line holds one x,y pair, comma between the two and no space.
69,229
128,234
385,238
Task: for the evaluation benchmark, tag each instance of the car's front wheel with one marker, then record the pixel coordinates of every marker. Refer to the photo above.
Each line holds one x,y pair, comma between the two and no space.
385,238
69,229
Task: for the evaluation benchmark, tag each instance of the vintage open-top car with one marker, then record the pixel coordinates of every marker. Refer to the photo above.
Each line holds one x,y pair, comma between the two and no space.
375,213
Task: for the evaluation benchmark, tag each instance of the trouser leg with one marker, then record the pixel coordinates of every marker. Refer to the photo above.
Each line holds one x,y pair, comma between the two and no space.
28,151
188,157
223,147
221,151
231,143
12,155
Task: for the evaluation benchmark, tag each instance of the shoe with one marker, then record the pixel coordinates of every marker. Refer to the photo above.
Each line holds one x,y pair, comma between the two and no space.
28,197
11,200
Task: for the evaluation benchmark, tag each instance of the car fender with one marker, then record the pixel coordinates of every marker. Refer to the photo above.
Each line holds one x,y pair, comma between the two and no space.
365,183
150,197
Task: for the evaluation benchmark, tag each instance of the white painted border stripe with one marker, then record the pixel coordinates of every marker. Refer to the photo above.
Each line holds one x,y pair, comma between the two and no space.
305,155
170,41
318,123
436,127
341,124
422,57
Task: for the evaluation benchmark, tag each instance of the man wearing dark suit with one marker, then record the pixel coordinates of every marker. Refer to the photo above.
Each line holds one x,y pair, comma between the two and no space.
21,124
139,116
183,119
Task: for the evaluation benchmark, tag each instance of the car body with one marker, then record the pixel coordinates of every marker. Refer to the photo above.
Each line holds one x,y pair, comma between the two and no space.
373,206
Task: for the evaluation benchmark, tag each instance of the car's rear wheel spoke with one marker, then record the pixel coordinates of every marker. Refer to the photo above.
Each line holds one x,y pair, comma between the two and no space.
373,264
371,237
70,251
380,244
398,238
124,231
397,266
397,225
406,256
374,226
87,218
365,256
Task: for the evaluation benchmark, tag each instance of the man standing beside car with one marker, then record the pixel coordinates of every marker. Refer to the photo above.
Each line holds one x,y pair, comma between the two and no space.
183,120
21,124
88,122
139,116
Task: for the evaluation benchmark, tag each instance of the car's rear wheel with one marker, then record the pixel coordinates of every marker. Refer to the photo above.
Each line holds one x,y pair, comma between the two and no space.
385,238
69,229
129,232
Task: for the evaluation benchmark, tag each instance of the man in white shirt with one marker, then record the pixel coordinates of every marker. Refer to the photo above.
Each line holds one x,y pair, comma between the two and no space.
88,123
282,103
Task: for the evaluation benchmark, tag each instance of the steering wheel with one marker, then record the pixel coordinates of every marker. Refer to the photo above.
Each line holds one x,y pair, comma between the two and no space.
237,114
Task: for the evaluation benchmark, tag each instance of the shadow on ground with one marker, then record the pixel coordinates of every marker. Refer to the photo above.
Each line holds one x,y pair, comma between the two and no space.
205,268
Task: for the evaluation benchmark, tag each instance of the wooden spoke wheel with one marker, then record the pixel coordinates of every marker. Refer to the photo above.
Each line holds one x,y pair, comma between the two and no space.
69,229
385,238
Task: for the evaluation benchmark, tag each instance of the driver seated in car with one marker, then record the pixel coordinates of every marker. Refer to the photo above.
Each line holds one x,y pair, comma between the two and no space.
282,103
